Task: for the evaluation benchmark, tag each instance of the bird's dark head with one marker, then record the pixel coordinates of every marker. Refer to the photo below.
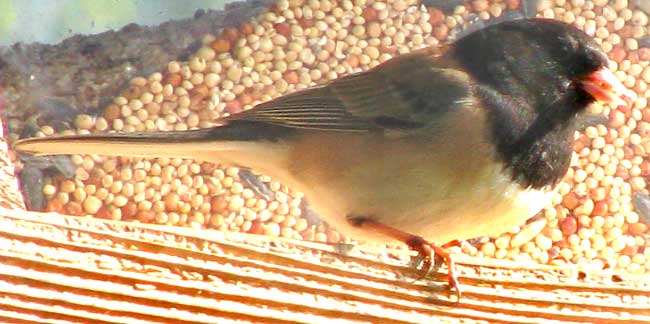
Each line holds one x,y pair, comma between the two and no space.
533,77
542,60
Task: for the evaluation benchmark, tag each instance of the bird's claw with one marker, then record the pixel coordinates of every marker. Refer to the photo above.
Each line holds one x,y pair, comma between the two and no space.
427,252
430,255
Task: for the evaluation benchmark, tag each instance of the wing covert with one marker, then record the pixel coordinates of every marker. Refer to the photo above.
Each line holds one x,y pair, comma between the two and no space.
403,93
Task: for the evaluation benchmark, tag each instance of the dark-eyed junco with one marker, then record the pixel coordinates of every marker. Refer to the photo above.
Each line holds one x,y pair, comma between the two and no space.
444,143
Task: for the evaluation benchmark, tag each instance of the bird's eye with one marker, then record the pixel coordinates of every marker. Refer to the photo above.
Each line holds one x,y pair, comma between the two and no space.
569,44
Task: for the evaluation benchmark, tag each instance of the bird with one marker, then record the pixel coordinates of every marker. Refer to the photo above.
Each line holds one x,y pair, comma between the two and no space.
444,143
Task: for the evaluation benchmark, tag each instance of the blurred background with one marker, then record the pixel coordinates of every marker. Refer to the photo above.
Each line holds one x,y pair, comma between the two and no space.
50,21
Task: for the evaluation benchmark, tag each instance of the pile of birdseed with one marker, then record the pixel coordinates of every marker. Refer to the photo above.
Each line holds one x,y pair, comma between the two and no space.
82,74
299,43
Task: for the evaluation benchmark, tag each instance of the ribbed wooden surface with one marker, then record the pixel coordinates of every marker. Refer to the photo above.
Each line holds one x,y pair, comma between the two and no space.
59,269
10,196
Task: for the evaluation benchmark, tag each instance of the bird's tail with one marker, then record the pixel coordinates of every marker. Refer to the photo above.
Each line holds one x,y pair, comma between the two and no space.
234,136
154,144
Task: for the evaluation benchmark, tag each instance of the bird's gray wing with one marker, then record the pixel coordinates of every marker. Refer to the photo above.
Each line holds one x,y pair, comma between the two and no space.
403,93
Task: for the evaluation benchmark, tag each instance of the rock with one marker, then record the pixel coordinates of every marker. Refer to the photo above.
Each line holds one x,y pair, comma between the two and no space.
529,8
642,4
447,6
31,180
644,41
641,203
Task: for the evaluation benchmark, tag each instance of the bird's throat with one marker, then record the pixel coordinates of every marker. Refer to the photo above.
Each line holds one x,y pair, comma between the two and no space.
535,148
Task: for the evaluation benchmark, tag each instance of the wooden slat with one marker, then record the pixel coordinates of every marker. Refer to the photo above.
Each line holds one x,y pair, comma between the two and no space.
74,269
10,196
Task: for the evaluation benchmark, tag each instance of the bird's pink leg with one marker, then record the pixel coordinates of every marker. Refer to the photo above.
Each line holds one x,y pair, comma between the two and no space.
426,250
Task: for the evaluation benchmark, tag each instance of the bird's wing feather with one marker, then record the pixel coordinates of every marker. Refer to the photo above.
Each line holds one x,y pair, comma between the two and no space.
403,93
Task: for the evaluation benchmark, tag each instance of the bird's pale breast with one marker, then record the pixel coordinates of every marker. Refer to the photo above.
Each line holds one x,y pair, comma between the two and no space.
443,186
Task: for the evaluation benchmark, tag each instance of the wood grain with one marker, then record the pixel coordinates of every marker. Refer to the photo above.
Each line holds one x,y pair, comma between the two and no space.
79,270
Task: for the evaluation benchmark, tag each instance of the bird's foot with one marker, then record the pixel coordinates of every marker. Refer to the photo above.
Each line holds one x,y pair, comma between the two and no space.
432,256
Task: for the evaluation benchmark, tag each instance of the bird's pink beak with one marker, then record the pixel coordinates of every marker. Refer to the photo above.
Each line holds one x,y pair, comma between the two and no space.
604,86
